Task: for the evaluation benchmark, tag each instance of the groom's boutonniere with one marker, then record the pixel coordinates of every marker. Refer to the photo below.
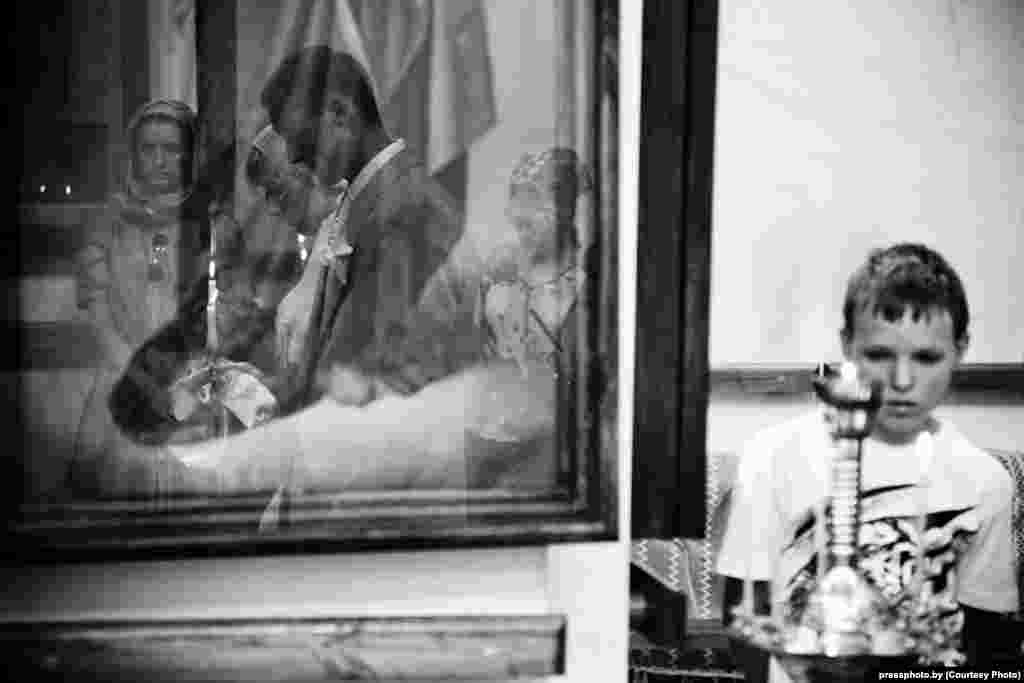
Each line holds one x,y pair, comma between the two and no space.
341,254
338,250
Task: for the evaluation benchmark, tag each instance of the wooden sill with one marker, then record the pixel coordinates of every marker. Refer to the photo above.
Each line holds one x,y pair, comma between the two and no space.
479,648
975,383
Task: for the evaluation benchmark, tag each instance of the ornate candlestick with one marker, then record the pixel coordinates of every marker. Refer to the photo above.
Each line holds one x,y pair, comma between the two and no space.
846,601
845,628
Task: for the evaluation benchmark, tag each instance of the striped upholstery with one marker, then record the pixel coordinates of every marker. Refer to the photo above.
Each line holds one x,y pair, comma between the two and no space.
688,565
1013,461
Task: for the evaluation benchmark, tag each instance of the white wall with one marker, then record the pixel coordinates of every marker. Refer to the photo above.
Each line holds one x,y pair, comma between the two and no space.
844,125
587,582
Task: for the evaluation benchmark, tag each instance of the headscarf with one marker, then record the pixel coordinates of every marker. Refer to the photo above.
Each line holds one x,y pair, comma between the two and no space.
134,203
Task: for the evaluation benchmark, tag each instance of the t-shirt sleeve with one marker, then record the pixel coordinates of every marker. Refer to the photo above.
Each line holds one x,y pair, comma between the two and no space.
988,571
755,525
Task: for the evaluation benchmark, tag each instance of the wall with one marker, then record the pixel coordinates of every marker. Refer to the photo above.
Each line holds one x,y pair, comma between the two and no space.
587,582
844,125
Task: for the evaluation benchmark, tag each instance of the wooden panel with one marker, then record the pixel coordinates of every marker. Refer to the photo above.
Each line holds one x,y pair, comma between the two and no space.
676,121
659,252
134,24
985,383
401,648
217,83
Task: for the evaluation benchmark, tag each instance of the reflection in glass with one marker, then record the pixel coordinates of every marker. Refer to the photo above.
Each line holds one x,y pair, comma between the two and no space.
141,258
402,270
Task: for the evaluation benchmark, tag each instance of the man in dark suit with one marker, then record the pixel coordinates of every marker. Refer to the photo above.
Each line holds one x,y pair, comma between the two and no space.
366,330
392,226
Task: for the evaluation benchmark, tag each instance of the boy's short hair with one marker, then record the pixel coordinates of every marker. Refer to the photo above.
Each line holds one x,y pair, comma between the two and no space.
305,77
906,276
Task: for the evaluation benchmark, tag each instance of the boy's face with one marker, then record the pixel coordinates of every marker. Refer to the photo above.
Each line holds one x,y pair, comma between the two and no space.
914,360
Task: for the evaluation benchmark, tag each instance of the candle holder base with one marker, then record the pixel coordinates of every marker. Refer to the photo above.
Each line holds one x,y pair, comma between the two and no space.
809,666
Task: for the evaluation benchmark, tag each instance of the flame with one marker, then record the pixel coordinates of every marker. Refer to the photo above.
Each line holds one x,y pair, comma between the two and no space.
848,372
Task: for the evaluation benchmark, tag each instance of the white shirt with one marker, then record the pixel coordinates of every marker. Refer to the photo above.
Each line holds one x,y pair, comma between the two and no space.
783,472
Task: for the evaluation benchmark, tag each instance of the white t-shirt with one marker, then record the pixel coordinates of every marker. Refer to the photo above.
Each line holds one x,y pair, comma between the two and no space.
783,476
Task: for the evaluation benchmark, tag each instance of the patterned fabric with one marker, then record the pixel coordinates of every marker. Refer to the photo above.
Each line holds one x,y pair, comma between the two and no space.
1014,464
891,547
687,565
665,560
540,170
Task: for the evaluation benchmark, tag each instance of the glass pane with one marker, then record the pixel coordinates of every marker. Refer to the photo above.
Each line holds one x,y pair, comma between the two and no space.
392,278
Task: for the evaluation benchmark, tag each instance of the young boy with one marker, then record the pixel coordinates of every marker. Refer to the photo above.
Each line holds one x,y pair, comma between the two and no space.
905,323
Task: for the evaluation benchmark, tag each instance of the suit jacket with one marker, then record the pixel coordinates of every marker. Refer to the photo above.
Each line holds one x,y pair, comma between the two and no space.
402,227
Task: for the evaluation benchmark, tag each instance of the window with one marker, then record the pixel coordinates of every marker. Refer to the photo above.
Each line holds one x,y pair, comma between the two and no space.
469,293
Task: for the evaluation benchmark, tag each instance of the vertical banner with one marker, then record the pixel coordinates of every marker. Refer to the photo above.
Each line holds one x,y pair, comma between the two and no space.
172,59
397,41
432,63
462,91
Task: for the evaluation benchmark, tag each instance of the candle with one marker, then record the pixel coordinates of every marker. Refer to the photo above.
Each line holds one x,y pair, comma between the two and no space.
848,373
211,312
211,301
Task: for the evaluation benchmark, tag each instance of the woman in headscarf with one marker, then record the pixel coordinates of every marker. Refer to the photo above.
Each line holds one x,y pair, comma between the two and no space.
146,257
521,313
527,310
